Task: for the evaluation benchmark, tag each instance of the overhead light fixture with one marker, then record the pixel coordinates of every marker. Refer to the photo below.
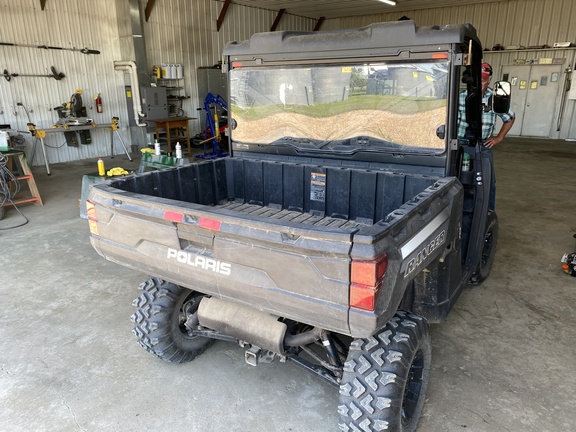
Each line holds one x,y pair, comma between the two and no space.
390,2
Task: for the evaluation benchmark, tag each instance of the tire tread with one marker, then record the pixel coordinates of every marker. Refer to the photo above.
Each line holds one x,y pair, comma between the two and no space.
152,319
373,377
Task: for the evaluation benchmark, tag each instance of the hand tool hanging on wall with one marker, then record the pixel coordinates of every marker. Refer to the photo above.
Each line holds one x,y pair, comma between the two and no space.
56,75
82,50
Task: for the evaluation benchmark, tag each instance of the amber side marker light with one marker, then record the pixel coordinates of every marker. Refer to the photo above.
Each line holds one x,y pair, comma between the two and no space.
92,220
366,278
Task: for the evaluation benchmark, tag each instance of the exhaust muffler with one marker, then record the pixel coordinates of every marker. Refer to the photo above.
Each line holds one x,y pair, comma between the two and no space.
244,323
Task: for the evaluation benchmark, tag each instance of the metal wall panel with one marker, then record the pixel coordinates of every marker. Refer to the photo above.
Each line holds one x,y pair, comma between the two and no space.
184,32
509,23
78,24
178,31
515,23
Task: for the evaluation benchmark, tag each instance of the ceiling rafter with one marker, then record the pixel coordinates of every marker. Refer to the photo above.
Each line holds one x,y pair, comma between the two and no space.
319,23
222,15
149,7
277,20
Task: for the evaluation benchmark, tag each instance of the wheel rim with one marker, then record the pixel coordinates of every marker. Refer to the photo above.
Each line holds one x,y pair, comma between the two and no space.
413,388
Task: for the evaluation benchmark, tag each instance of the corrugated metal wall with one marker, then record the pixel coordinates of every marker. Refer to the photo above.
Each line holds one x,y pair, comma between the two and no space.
527,23
178,31
71,24
514,22
184,31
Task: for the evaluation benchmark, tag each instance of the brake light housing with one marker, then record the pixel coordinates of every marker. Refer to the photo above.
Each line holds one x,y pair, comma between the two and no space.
366,277
92,220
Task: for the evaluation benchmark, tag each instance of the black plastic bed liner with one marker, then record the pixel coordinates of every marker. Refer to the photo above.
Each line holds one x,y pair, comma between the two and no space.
292,216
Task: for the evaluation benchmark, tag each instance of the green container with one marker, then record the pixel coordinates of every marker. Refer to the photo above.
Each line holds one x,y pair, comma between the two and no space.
153,161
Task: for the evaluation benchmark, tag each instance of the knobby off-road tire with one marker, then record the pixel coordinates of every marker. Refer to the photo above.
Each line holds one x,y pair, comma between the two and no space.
488,250
160,321
386,376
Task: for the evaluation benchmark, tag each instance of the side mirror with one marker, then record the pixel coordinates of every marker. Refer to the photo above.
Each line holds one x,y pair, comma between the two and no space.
441,131
502,92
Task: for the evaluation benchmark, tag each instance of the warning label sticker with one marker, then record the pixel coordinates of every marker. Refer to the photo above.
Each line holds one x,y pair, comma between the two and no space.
317,187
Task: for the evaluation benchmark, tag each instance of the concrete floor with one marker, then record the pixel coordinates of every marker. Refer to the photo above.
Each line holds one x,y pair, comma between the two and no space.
503,361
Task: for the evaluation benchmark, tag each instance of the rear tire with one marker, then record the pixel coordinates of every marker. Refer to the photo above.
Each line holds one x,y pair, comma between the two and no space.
488,250
160,321
386,376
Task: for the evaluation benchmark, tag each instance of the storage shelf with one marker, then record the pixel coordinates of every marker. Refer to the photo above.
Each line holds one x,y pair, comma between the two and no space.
174,89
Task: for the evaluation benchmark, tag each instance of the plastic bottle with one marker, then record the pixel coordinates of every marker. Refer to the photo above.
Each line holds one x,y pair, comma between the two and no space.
157,148
101,170
178,151
466,162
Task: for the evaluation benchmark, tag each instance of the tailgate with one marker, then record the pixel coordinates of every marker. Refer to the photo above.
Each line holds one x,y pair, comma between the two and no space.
277,261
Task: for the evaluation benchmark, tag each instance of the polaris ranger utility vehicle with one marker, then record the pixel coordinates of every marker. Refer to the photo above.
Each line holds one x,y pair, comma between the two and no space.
339,227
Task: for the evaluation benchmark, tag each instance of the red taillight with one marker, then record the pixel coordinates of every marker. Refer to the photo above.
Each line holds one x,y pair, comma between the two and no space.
369,272
365,282
211,224
173,216
91,213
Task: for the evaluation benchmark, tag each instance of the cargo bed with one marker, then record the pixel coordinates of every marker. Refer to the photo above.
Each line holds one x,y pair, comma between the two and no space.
308,194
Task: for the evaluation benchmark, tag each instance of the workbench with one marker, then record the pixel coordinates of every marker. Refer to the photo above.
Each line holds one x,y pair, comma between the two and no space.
41,134
172,123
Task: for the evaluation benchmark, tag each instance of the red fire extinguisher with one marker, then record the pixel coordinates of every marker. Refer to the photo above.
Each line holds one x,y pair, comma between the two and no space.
98,100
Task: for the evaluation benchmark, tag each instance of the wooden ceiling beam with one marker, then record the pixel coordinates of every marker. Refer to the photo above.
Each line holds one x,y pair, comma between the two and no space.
149,7
222,15
277,20
319,23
